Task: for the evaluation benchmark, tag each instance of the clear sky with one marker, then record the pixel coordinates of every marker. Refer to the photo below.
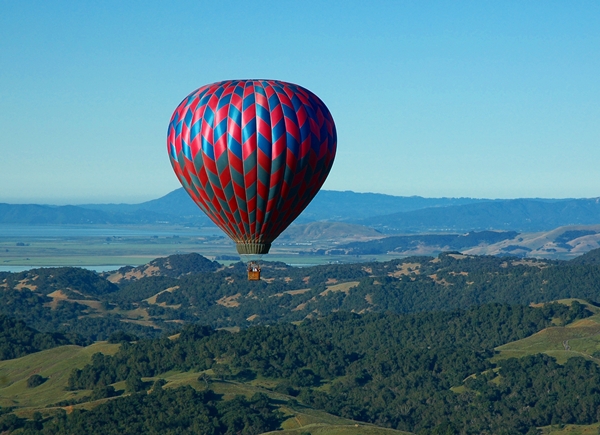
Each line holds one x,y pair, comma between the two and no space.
489,99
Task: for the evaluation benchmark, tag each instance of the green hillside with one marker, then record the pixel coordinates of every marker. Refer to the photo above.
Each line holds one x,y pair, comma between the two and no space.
54,365
577,339
421,345
17,339
344,373
374,369
570,429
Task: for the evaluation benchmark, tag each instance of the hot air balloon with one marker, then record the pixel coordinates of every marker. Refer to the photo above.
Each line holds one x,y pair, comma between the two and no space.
252,154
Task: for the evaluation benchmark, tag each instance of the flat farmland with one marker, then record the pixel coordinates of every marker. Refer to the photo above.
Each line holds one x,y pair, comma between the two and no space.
103,247
103,250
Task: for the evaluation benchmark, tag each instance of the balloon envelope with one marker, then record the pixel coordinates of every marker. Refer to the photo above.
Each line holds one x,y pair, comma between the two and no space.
252,154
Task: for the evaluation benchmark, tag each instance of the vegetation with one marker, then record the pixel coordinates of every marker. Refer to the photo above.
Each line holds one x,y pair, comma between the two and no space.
54,365
591,258
17,339
150,300
35,381
393,371
164,411
451,281
429,353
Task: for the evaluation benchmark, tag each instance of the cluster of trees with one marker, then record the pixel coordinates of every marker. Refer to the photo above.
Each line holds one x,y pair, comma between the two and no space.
177,411
589,258
67,317
391,370
408,386
86,283
173,266
17,339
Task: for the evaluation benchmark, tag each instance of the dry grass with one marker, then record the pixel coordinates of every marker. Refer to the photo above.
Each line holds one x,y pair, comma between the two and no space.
571,429
406,269
137,273
152,299
230,301
342,287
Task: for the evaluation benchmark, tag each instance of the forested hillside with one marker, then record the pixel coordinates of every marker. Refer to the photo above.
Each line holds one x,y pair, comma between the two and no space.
148,300
426,373
18,339
409,344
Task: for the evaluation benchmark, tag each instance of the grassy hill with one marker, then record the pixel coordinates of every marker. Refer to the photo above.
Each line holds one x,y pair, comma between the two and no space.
323,231
560,243
570,429
55,365
567,242
577,339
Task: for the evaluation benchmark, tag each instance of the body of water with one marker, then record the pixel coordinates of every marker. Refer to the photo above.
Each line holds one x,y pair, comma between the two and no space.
55,231
16,269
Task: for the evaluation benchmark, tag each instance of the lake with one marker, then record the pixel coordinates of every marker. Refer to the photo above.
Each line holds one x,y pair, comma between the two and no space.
50,231
16,269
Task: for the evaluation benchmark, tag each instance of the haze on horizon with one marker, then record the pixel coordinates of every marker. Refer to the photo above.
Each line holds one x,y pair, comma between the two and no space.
435,99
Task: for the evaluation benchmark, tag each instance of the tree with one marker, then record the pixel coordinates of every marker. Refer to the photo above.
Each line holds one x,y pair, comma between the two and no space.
35,381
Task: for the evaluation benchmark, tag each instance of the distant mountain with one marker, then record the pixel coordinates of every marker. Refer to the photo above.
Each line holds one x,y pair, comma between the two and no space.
523,215
178,208
328,205
34,214
175,207
384,213
175,203
331,205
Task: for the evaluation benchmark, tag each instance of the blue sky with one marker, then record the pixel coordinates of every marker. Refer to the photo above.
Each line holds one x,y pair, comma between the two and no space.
491,99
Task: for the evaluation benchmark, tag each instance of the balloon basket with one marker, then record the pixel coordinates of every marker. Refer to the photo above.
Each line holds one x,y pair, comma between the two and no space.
253,271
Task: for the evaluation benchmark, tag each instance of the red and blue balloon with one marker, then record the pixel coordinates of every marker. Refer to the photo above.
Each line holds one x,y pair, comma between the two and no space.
252,154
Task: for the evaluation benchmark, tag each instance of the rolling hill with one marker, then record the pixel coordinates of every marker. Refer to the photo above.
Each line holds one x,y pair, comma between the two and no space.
343,373
160,296
341,348
561,243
